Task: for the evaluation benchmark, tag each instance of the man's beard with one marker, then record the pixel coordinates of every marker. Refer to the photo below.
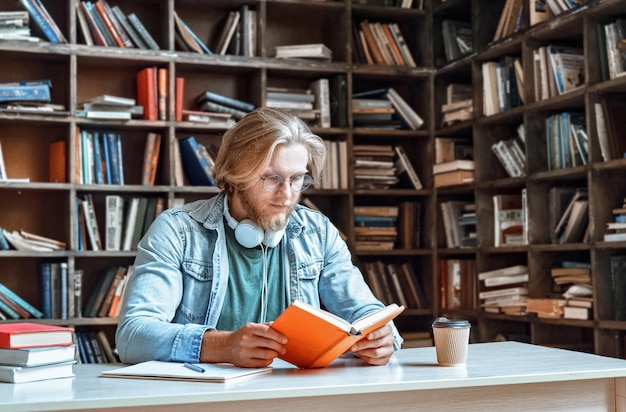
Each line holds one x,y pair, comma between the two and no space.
263,218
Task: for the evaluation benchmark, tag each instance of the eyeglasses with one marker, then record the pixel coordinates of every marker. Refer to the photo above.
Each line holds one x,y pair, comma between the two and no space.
298,183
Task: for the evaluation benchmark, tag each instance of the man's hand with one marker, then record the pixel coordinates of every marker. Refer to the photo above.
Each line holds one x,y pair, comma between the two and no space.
253,345
377,347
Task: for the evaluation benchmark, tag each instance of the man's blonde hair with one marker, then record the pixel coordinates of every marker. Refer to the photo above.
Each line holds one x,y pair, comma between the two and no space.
247,148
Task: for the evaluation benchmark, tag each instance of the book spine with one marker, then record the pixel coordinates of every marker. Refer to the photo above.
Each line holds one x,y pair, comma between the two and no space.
106,21
143,32
320,89
25,93
40,20
225,101
218,108
130,30
179,98
121,32
162,93
33,311
147,93
195,165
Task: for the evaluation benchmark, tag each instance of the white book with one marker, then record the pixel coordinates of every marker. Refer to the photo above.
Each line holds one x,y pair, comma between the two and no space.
114,221
403,165
506,280
408,114
320,89
93,232
519,291
506,271
129,223
212,372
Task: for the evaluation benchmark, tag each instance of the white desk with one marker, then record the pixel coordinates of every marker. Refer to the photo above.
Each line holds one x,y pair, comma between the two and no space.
499,376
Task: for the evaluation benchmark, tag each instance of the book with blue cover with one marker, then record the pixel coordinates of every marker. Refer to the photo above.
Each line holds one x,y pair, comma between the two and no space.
197,164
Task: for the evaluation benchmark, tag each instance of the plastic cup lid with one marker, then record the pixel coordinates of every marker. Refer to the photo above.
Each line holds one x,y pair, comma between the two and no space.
442,322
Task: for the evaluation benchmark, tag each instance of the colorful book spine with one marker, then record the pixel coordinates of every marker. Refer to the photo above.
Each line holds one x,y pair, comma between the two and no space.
21,301
40,20
225,101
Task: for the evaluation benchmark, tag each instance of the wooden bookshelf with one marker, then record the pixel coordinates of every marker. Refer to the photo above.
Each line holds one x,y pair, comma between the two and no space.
79,72
601,333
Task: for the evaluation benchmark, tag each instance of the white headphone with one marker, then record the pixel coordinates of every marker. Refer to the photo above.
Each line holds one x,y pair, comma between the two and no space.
249,234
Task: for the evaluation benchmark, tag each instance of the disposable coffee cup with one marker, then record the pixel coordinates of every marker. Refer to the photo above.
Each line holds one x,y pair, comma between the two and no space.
451,341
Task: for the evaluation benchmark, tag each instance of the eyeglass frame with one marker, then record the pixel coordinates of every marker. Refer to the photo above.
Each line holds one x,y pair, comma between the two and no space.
291,181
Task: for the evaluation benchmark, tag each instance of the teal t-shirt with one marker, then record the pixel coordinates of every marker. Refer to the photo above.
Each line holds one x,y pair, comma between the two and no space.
242,303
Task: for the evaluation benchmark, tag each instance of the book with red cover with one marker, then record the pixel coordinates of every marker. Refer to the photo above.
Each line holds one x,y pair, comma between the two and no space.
179,98
147,93
34,335
317,337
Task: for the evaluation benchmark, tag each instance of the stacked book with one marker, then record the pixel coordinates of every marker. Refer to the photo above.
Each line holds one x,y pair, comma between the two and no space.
298,101
110,107
14,26
374,167
366,102
30,242
511,155
572,281
504,290
453,161
316,51
34,352
209,101
375,227
616,230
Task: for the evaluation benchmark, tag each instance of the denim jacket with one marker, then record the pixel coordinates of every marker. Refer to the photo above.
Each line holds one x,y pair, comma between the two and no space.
178,286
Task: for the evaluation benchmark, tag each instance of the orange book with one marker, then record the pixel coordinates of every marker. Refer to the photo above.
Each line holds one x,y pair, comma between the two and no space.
147,93
109,24
372,46
317,337
162,93
180,98
57,160
394,46
34,335
151,159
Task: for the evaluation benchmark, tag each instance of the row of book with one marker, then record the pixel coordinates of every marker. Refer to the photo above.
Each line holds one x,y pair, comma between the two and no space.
45,25
567,143
458,39
383,108
501,85
381,43
511,153
612,46
103,25
379,228
127,220
457,285
557,70
459,223
395,282
311,104
404,4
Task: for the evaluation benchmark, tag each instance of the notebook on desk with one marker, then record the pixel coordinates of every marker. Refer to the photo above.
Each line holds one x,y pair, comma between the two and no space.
205,372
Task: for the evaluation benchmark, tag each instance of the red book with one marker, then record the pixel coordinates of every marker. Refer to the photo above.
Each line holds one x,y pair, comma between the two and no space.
57,161
162,93
147,93
34,335
180,95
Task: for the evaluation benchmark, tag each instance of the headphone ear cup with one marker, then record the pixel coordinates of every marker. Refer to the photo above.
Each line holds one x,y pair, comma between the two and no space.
248,234
272,239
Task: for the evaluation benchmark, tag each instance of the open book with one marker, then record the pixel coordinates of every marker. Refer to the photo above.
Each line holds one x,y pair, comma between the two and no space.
207,372
317,337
